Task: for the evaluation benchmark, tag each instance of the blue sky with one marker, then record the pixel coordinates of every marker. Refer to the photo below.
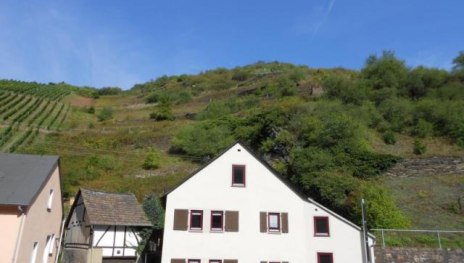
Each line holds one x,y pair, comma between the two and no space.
120,42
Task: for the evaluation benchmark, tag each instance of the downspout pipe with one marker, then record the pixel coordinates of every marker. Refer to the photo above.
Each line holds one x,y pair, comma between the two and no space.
20,233
58,251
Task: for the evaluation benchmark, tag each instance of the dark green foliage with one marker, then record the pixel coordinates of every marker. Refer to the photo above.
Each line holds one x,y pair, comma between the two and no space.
347,90
203,140
219,109
458,66
109,91
164,111
419,147
152,160
380,207
155,213
154,210
105,114
367,164
385,71
423,129
389,137
398,112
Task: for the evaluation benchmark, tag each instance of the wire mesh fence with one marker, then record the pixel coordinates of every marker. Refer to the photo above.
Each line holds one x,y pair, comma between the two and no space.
419,238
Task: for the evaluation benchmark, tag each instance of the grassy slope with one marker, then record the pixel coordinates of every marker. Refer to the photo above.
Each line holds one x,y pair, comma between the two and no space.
126,139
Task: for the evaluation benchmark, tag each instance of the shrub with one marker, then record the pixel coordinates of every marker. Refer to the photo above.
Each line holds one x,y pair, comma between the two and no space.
105,114
389,137
419,147
367,164
381,209
423,129
203,139
152,160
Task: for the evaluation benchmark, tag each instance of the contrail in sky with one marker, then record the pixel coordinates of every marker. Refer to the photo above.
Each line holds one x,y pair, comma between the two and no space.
326,16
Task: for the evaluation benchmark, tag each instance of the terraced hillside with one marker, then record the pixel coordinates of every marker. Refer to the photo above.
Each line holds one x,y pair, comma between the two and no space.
332,132
27,109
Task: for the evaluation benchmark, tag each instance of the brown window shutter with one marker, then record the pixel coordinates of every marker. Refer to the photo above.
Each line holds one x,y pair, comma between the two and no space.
180,219
232,221
230,261
284,217
177,260
262,222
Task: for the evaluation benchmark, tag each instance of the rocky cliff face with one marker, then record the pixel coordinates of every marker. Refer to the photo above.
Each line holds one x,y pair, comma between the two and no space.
428,166
418,255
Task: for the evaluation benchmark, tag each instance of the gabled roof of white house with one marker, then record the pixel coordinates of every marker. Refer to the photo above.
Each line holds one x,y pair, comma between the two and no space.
115,209
276,174
22,177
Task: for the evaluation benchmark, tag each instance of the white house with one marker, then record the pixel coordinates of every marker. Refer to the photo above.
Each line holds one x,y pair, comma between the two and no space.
238,209
103,227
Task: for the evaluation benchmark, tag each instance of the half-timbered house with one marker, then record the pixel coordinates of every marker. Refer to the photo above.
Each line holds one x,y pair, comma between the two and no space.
103,227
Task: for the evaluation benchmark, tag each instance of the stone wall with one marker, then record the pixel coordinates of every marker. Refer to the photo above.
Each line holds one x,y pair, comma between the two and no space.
428,166
418,255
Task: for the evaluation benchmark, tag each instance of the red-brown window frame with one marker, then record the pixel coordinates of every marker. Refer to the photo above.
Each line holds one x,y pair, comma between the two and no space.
222,223
244,175
279,228
319,254
201,221
326,218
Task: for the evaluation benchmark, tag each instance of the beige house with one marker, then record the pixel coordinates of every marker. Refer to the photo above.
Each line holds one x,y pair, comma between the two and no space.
31,210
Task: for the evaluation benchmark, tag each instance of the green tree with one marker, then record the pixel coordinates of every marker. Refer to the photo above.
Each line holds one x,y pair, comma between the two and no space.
152,160
385,71
155,213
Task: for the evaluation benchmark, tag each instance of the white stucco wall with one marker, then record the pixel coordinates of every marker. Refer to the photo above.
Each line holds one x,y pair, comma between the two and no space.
210,189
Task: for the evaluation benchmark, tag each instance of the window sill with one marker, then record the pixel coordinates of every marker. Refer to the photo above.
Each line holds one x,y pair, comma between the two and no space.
196,230
216,231
274,232
238,185
321,235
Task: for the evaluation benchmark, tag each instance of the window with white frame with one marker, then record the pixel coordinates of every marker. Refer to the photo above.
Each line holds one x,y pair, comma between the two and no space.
196,220
274,221
50,200
217,220
194,261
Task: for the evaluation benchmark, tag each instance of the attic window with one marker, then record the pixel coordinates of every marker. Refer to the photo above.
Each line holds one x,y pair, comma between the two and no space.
50,200
321,226
238,175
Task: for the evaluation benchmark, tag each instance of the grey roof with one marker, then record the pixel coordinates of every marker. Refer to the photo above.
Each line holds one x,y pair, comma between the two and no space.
22,176
121,209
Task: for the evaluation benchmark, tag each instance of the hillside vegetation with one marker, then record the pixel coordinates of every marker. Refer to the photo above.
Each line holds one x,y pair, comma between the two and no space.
331,132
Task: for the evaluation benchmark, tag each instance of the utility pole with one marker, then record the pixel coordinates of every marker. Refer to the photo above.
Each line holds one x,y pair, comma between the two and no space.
365,233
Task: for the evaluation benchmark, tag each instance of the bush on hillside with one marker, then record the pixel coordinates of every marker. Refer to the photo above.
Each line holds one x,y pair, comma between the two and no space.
419,147
105,114
203,140
152,160
389,137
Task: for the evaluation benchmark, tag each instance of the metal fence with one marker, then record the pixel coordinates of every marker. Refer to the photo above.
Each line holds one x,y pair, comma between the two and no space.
452,238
